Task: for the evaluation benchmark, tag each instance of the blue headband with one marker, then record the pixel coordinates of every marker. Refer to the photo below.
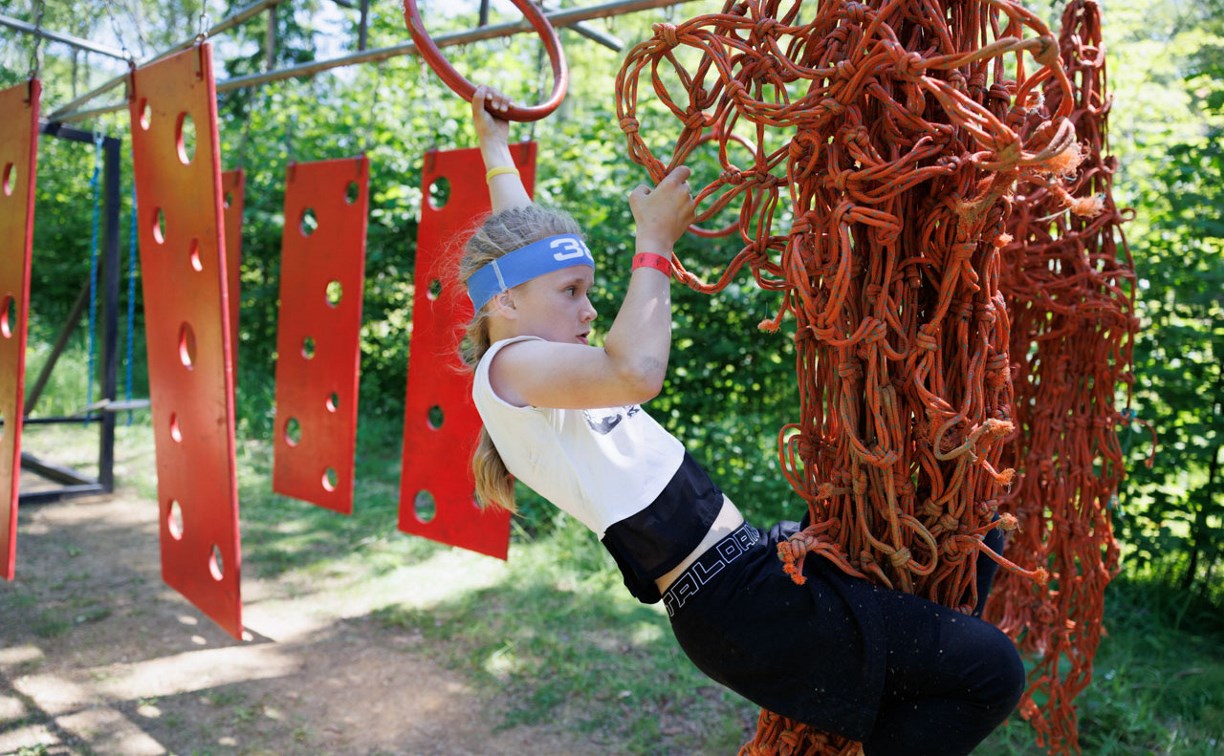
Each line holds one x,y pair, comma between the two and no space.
526,263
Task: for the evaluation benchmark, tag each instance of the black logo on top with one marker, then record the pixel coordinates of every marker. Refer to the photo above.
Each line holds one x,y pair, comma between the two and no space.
603,421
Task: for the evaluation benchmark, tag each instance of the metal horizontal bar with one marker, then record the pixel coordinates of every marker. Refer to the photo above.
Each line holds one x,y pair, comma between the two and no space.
114,406
55,494
558,18
59,420
67,39
75,135
52,471
607,40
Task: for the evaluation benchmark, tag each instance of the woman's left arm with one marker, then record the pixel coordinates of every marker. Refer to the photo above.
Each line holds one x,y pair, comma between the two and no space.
505,189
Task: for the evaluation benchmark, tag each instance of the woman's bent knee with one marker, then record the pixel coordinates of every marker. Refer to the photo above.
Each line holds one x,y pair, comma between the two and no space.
1011,679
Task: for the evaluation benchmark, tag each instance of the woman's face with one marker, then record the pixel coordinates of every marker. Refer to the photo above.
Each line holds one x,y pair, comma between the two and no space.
555,306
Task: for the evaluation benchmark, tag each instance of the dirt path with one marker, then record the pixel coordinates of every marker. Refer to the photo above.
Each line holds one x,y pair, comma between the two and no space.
97,655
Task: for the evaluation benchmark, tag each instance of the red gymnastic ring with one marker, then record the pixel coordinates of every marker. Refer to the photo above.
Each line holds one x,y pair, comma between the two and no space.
465,89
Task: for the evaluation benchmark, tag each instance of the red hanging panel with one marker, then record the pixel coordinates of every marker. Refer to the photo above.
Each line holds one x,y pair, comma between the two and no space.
318,341
441,424
18,160
233,191
175,156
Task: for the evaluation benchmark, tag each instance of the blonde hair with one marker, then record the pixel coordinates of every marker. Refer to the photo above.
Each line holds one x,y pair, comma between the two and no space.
497,235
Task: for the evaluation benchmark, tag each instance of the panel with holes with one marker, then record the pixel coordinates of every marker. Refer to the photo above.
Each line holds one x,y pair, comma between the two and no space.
178,186
233,191
18,159
318,343
441,424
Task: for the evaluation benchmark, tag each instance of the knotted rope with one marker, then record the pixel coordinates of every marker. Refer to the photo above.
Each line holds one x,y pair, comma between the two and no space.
1069,283
905,127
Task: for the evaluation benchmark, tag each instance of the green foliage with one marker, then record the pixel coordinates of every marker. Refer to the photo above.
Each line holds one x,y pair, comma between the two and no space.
1173,514
63,206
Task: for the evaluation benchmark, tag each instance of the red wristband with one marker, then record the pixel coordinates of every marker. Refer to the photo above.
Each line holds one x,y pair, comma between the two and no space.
651,260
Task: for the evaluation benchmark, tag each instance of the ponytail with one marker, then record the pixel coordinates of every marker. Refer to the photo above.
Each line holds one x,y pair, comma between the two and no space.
494,484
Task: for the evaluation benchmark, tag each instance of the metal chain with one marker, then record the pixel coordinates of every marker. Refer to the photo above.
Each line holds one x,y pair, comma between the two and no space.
256,97
202,33
134,10
35,61
114,23
429,102
366,149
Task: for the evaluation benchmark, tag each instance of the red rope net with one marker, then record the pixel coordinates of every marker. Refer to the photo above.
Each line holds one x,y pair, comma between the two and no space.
899,131
1069,283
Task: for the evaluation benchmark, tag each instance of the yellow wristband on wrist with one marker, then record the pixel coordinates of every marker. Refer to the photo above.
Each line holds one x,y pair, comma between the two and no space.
500,170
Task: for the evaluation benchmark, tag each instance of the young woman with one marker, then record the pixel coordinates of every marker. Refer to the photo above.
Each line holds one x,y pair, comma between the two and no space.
894,671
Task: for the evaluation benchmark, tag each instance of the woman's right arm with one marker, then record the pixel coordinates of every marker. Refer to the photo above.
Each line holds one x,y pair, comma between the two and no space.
631,366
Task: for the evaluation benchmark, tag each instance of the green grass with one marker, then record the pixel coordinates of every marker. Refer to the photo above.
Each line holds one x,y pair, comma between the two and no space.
559,643
567,646
1156,689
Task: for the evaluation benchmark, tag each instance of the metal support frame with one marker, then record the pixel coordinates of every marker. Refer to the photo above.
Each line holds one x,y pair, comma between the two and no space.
363,26
593,34
67,39
73,483
558,18
241,16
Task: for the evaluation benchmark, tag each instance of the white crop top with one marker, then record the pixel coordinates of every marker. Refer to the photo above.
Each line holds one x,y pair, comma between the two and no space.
599,465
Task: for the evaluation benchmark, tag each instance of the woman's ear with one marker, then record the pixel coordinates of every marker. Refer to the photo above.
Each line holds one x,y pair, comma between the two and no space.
503,304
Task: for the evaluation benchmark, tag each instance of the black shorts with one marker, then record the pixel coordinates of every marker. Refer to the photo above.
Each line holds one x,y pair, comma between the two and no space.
814,653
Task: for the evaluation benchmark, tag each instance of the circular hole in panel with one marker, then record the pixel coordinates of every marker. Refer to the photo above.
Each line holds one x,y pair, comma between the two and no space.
439,193
10,179
2,425
159,226
424,506
334,293
435,417
352,192
309,222
228,199
333,402
216,566
185,138
308,347
176,433
293,432
174,520
435,289
330,478
197,264
146,114
187,346
8,317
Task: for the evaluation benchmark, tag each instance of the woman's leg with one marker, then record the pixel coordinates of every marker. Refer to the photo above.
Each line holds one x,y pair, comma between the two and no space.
951,679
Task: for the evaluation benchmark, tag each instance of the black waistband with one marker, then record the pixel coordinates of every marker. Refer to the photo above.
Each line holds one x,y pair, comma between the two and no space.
709,564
